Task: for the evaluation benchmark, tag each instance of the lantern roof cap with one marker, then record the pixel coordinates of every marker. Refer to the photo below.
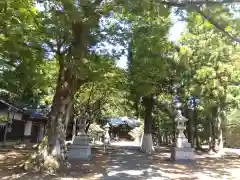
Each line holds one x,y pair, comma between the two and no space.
180,117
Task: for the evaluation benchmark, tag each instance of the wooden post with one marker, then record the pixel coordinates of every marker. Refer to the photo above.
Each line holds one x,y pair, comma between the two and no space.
6,127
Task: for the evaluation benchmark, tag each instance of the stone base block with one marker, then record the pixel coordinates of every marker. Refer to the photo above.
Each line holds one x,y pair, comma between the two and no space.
80,149
79,152
182,154
81,140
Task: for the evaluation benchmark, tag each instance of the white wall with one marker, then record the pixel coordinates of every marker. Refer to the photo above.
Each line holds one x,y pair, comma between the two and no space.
28,128
16,116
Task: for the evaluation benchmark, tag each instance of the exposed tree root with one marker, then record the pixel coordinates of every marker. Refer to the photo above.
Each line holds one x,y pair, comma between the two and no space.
41,161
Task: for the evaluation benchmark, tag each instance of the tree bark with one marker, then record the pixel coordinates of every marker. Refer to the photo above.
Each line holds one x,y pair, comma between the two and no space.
51,153
174,131
211,140
136,107
74,132
166,138
197,138
219,136
147,141
88,124
148,105
189,114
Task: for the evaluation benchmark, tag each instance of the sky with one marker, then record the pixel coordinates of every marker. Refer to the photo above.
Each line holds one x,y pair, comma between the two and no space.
174,34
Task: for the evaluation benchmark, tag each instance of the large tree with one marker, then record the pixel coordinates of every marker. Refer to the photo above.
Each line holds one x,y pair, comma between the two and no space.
69,30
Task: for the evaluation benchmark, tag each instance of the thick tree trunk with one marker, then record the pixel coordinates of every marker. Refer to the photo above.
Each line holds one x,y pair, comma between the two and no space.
51,152
147,141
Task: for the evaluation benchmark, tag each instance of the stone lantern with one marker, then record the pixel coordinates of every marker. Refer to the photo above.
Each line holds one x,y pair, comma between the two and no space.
182,151
106,134
106,139
181,126
80,148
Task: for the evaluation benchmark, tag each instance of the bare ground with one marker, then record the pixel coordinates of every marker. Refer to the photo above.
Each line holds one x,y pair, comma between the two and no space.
11,159
211,167
206,167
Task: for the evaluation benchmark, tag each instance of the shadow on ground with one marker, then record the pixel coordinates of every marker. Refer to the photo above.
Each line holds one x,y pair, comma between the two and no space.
129,163
205,167
126,163
11,159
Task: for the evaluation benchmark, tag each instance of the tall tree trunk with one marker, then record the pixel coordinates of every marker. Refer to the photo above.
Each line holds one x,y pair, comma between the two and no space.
174,131
211,140
88,124
196,130
166,138
58,117
197,139
136,107
51,152
189,114
147,141
159,142
74,132
219,138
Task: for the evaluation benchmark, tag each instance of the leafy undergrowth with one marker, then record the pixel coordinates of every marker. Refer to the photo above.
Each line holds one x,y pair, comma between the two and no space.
11,159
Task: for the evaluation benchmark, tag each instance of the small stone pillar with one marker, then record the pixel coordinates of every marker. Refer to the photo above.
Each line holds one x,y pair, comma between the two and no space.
106,134
27,131
182,150
80,149
106,140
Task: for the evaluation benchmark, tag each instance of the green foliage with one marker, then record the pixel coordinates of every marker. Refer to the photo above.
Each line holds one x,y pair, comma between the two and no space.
150,54
209,58
25,71
103,97
3,118
95,131
137,132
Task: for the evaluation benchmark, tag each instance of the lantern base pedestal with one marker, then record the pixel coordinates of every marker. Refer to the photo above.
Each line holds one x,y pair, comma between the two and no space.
182,155
80,149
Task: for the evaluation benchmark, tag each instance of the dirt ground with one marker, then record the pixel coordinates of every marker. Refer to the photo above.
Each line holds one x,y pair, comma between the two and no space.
11,159
205,167
209,167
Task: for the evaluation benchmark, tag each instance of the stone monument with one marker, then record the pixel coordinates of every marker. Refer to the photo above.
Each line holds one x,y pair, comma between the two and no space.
182,150
80,148
106,140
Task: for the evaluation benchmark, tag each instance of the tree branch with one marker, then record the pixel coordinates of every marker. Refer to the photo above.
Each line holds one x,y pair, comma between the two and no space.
97,2
217,25
185,3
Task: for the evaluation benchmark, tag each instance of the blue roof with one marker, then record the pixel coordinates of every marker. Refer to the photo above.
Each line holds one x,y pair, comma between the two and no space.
36,115
116,121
